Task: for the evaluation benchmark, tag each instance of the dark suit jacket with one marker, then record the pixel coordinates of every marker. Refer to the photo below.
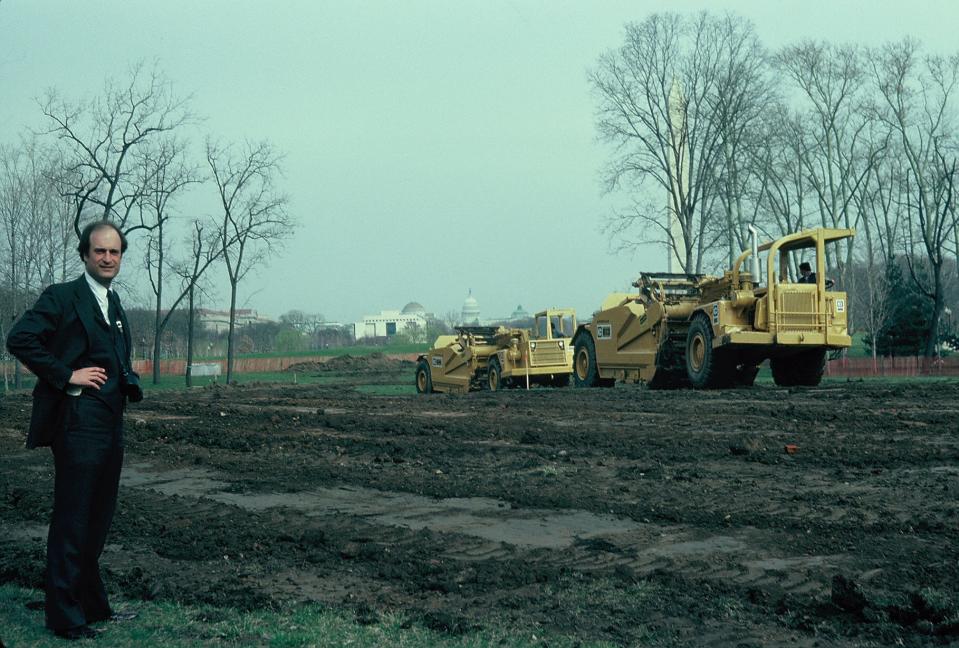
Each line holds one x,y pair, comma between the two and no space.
52,340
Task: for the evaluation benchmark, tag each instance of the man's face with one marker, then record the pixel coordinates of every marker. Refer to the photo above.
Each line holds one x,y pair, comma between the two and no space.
103,258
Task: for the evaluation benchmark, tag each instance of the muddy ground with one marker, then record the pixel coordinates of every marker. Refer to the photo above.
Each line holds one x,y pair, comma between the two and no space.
634,516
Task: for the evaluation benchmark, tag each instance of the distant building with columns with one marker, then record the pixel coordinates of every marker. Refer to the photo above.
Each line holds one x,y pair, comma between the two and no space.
218,321
388,323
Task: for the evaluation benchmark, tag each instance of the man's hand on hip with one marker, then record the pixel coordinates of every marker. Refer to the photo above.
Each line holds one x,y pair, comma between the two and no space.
89,377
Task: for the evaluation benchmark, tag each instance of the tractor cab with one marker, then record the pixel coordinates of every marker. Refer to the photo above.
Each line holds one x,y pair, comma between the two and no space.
554,324
797,303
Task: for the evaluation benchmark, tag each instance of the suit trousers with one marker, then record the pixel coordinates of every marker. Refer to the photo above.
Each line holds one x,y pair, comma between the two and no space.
88,457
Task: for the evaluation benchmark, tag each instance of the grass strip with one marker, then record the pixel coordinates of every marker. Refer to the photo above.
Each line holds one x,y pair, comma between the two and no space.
164,624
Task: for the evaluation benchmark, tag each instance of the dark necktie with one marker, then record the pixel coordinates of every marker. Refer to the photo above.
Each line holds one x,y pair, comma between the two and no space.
116,328
113,308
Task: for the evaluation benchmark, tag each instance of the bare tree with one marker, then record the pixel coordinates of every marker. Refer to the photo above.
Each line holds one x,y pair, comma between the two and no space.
743,96
101,137
33,247
452,319
840,150
674,101
205,249
254,219
871,300
306,323
883,204
919,108
780,190
165,174
296,319
14,245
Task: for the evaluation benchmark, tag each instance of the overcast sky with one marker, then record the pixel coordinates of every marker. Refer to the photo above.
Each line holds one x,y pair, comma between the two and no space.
432,147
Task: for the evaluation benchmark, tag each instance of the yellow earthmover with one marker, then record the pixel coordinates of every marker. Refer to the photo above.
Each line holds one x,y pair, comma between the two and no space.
684,330
489,357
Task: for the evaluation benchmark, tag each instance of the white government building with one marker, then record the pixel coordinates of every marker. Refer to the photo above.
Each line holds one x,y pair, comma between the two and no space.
218,321
388,323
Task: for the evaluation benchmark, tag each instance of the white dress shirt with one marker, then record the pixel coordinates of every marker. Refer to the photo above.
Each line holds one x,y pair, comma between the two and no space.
100,292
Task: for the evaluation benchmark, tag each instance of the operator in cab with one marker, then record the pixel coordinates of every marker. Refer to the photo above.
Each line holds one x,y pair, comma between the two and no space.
806,275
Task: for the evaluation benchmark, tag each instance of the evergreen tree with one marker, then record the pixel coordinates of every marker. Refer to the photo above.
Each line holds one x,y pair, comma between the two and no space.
907,327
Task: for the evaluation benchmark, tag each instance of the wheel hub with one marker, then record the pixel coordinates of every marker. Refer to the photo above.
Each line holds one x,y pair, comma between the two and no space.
582,364
697,353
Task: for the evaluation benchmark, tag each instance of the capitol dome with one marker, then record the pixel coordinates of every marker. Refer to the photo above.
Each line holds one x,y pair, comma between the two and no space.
414,308
519,314
471,310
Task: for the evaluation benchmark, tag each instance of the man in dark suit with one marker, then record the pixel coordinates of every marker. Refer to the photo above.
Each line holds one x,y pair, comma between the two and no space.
76,341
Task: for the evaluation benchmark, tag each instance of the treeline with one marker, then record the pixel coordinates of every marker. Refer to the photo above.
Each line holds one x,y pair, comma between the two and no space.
711,131
124,156
256,337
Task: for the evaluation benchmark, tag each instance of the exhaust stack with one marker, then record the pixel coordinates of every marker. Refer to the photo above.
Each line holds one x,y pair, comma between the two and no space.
755,265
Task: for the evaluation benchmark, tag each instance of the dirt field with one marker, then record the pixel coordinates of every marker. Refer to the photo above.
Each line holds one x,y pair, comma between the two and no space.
629,515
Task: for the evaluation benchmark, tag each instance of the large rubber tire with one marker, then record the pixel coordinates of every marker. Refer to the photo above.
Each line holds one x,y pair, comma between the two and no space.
494,375
424,379
705,367
585,372
804,369
782,371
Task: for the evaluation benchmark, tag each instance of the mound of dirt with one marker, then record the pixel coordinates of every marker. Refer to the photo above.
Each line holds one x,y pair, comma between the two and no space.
375,362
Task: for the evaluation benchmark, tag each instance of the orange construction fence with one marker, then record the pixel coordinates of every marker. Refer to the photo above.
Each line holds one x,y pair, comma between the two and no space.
893,366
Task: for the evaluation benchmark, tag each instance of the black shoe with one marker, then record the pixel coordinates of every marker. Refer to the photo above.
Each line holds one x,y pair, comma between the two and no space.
79,632
124,615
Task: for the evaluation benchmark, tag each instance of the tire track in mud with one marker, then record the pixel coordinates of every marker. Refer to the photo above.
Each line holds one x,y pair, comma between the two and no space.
481,529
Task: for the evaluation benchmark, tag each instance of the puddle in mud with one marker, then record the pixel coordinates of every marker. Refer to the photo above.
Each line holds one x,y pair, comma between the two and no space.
715,544
480,517
791,564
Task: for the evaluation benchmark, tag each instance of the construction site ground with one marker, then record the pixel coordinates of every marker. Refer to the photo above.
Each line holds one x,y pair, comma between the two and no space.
749,517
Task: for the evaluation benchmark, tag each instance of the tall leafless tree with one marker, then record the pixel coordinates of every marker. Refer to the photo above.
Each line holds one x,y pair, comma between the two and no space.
306,323
919,107
841,150
165,174
674,100
743,97
205,249
101,137
780,189
871,301
33,245
883,204
254,219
